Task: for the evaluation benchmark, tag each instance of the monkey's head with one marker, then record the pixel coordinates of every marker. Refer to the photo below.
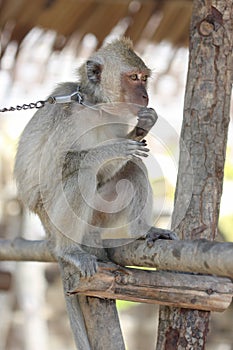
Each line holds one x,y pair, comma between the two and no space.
115,74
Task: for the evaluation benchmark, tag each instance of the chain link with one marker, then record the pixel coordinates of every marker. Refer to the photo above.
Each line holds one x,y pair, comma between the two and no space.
73,97
37,105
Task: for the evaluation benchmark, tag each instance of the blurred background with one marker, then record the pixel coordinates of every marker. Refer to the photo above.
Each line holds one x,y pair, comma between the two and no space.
42,43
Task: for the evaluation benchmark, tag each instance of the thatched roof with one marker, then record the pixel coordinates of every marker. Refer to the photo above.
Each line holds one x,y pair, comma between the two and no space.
150,20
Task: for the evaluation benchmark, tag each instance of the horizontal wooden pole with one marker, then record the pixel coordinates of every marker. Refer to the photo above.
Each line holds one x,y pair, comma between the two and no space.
199,256
20,249
156,287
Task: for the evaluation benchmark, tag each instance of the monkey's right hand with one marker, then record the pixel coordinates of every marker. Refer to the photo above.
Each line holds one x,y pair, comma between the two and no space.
124,148
147,117
84,262
133,148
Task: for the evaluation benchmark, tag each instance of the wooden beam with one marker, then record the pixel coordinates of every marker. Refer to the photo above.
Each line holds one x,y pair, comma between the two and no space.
156,287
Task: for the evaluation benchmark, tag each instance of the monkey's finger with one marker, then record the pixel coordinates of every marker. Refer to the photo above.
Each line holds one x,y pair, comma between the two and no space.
145,121
141,149
142,117
145,149
141,154
142,144
135,145
90,271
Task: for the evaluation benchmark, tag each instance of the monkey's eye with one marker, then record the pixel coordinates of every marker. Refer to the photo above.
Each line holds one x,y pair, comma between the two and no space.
144,77
133,77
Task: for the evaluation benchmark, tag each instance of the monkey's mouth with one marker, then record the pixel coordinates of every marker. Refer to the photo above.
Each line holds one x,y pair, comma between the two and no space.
135,107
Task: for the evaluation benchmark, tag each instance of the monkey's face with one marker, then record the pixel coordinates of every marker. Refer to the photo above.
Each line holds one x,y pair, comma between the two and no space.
116,74
134,89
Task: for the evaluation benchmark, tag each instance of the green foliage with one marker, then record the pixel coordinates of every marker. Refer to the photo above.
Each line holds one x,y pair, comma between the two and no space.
124,305
226,227
228,169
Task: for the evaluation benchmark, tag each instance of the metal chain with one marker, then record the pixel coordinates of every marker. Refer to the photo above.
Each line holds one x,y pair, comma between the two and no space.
73,97
38,104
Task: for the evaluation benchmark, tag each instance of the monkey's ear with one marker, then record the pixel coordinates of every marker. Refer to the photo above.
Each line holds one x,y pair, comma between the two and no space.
94,70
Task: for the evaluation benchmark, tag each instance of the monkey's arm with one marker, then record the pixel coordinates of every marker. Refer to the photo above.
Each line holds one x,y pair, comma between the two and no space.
147,117
98,160
72,162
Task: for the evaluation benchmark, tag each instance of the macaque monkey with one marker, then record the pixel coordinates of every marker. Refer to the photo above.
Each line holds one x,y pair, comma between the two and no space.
80,168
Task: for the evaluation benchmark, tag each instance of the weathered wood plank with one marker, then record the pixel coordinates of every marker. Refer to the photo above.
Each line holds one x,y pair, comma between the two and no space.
157,287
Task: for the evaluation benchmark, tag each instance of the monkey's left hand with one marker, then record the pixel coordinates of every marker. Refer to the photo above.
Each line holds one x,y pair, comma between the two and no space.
147,117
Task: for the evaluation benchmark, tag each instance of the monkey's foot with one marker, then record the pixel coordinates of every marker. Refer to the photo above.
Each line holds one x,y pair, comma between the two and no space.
84,262
155,233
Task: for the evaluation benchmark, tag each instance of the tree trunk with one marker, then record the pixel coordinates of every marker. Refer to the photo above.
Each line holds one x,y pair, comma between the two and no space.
202,153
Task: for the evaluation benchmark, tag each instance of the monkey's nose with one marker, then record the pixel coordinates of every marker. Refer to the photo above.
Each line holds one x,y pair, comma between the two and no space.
145,99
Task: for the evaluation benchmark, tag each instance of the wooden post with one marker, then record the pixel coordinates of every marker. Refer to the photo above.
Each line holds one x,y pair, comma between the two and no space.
204,137
91,319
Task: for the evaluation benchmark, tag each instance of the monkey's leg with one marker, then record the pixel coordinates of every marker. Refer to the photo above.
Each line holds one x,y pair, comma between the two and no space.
91,319
65,249
139,211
